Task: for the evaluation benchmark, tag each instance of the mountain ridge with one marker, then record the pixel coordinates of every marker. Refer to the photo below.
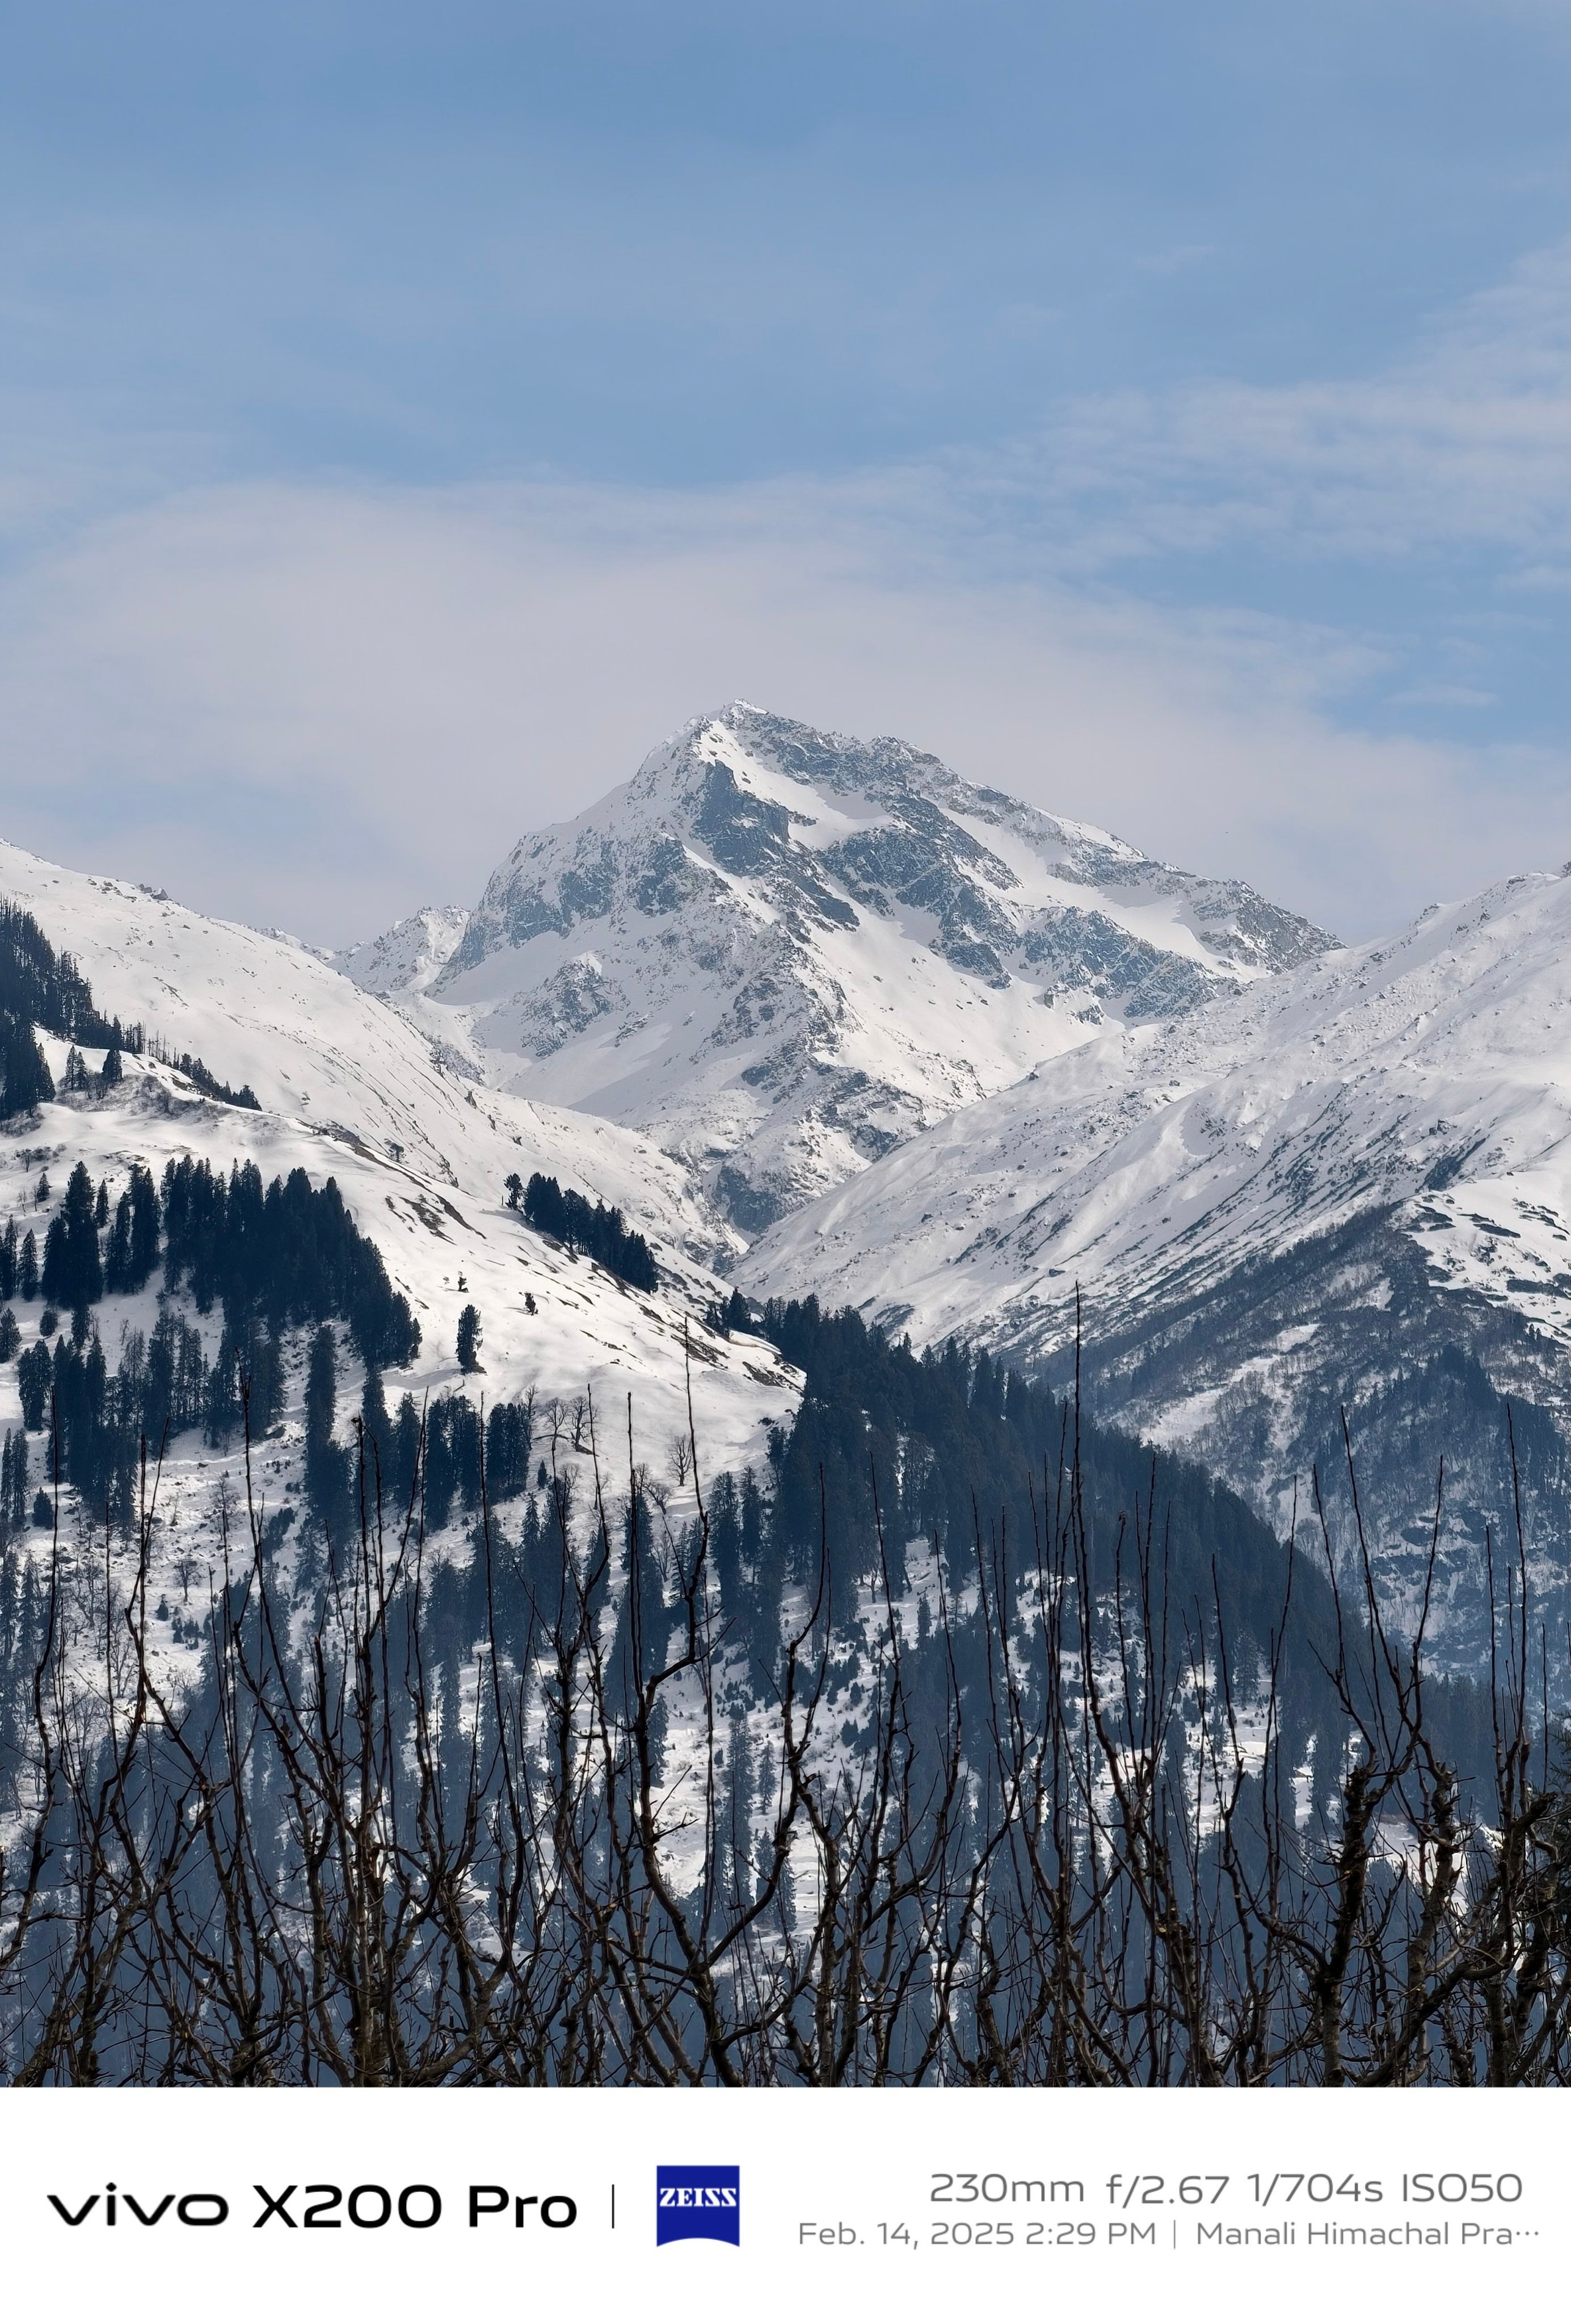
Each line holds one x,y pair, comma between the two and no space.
906,1046
1301,1197
783,952
349,1089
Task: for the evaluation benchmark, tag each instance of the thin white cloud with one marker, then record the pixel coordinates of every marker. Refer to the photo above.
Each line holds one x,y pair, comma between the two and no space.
1466,446
324,707
1446,697
324,704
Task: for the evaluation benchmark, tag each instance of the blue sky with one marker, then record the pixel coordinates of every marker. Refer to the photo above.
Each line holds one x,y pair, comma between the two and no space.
1158,409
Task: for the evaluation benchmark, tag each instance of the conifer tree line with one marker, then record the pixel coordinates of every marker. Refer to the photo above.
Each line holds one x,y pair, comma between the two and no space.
76,1269
273,1259
81,1082
733,1314
444,1454
25,1080
601,1233
765,1794
41,987
288,1253
209,1082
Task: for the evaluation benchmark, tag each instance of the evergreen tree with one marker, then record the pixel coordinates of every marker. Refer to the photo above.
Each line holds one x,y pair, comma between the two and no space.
453,1459
19,1495
465,1437
261,1375
568,1217
114,1070
223,1412
245,1386
753,1512
440,1478
118,1249
10,1335
405,1455
209,1085
508,1431
8,1261
732,1317
469,1338
10,1578
173,1389
737,1820
39,986
534,1561
76,1072
25,1081
101,1207
35,1376
144,1224
52,1273
95,1382
321,1392
289,1251
73,1274
27,1267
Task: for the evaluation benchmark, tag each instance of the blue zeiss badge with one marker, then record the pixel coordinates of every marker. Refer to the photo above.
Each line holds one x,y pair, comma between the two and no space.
693,2200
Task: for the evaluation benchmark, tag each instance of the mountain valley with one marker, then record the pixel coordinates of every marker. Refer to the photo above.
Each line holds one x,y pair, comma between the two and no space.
820,1020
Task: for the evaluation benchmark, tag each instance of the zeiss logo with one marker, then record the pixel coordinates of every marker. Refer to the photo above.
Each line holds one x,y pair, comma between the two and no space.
690,2200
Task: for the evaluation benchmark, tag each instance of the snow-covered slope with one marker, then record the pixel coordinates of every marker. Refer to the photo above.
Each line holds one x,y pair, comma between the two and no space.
1432,1072
264,1009
349,1089
784,952
1283,1201
589,1346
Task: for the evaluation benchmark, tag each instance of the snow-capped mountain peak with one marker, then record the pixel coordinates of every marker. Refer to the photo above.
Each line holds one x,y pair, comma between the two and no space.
784,952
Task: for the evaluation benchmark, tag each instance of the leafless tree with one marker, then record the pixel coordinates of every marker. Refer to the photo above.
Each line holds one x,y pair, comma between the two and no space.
570,1818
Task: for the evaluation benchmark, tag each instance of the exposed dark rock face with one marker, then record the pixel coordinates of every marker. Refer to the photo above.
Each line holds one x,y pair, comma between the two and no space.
1263,1364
